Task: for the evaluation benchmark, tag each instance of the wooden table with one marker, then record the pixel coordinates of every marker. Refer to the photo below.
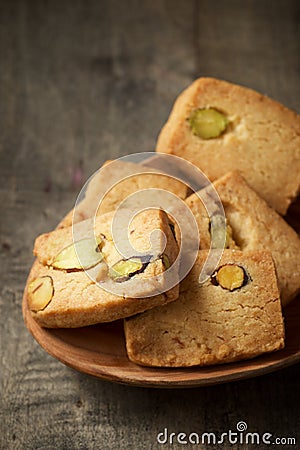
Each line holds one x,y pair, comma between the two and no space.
81,82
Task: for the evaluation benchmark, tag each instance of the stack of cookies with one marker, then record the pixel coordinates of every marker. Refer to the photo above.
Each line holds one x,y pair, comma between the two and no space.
249,147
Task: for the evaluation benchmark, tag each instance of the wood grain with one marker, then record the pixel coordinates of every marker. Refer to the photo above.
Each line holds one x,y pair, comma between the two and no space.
81,82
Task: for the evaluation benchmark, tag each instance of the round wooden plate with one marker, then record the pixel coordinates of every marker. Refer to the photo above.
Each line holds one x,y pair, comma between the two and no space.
100,351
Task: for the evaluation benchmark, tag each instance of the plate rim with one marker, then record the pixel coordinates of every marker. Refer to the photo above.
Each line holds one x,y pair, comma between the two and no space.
107,373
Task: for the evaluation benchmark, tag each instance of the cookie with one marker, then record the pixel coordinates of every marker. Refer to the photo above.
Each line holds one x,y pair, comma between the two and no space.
234,315
214,230
126,184
254,225
99,279
220,127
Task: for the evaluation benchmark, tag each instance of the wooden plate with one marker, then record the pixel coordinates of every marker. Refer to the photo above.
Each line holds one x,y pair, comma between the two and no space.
99,350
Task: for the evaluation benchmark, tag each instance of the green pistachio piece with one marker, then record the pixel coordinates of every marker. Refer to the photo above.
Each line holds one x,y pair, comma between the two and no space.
127,268
166,261
40,292
220,232
87,250
208,123
231,277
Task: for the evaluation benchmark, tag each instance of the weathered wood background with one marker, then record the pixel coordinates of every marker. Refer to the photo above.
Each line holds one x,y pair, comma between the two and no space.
80,82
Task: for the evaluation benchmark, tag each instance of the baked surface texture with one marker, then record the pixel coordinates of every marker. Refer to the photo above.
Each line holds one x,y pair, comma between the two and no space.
262,139
255,226
208,324
77,299
116,181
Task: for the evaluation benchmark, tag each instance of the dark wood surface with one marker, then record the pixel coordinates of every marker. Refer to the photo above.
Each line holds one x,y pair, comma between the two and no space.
80,82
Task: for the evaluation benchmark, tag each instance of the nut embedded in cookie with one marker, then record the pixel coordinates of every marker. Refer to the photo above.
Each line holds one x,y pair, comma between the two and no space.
127,268
250,138
209,324
40,292
208,123
252,225
89,255
230,276
117,286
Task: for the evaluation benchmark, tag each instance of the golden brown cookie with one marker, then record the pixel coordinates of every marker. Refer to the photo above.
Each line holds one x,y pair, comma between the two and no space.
119,174
114,284
234,315
254,225
220,127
